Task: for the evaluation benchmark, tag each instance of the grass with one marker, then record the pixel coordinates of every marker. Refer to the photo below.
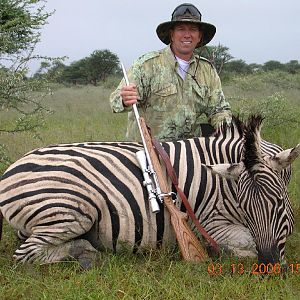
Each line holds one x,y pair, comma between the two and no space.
78,114
140,277
156,276
82,114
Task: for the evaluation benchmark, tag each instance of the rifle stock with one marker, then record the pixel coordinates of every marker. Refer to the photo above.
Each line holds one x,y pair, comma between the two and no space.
189,245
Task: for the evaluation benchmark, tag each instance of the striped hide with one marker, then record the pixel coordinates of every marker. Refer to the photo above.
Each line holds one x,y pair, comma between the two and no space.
74,199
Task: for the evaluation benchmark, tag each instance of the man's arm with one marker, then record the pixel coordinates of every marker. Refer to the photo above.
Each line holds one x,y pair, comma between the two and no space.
220,110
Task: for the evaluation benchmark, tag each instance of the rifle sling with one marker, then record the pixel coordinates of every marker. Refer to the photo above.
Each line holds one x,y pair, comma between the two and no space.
172,174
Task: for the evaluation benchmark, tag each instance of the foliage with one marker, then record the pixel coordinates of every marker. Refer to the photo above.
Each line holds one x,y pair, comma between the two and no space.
240,67
218,55
20,22
237,67
93,69
271,108
272,65
101,64
292,67
50,70
18,26
280,80
274,95
76,73
14,95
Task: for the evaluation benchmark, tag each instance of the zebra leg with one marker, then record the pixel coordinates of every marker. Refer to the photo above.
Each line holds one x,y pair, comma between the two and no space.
236,239
227,227
37,249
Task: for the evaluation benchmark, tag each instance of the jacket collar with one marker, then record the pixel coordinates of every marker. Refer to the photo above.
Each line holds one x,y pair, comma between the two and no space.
172,59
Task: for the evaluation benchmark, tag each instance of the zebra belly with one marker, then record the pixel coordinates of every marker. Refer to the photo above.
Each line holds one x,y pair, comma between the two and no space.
124,232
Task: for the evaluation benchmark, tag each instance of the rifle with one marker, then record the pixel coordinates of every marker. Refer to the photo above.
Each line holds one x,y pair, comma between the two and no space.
189,245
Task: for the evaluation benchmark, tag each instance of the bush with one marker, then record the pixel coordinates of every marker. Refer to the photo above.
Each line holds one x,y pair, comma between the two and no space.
275,109
259,81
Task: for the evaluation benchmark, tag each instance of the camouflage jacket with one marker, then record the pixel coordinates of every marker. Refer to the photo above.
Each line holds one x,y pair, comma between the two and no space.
171,106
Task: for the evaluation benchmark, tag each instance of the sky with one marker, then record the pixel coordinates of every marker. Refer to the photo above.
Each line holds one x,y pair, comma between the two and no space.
255,31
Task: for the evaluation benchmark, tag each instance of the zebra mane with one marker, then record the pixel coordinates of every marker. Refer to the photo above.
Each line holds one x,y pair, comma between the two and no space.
236,125
252,154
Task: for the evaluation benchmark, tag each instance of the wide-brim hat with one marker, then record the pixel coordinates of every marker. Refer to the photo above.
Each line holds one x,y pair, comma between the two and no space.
186,13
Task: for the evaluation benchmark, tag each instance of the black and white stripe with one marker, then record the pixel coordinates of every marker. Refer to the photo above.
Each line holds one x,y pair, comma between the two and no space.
57,194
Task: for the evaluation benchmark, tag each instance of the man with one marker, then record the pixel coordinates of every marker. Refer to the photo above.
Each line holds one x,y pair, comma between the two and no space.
173,87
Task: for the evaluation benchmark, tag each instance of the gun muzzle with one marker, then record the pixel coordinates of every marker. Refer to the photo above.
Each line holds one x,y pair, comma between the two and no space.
148,182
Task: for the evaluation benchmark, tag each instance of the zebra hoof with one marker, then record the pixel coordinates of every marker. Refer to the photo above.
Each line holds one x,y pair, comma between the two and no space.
87,260
84,253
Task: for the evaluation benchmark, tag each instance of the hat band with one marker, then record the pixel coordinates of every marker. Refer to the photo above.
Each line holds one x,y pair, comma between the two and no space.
187,18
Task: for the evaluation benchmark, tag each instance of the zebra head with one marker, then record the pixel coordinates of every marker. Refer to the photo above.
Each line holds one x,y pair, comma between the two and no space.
262,193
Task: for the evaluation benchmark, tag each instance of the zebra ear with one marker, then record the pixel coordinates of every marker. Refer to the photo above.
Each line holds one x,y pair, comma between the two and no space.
284,158
229,171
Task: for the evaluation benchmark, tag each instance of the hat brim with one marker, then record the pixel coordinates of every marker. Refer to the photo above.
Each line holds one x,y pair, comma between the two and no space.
163,31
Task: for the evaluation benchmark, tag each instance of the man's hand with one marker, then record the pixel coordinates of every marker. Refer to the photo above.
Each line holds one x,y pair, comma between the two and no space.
129,94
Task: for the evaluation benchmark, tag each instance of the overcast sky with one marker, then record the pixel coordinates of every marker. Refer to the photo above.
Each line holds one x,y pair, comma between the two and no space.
254,30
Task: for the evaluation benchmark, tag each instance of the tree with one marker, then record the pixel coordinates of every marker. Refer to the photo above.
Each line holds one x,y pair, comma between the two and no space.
292,67
238,67
101,64
218,55
76,73
50,70
272,65
92,69
20,22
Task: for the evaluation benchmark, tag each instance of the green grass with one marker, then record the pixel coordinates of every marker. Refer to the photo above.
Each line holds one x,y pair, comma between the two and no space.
78,114
83,114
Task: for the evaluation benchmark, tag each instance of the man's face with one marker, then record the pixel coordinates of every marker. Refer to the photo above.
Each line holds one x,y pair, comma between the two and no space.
184,39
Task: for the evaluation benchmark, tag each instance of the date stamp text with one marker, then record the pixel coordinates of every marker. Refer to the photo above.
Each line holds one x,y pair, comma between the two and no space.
216,269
